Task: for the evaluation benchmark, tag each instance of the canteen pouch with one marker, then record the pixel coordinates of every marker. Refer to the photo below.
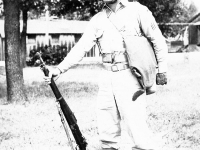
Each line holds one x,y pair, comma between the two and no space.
142,61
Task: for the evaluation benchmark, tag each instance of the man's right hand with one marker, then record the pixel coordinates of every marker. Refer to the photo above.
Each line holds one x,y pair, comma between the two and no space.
161,78
53,73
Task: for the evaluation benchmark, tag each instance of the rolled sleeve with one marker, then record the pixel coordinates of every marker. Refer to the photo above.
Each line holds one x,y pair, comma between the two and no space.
77,53
151,30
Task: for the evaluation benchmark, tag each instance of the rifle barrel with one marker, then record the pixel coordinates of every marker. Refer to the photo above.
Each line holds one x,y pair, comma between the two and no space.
69,115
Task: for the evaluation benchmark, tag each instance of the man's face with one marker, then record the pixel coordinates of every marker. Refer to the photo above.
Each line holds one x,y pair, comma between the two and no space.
110,1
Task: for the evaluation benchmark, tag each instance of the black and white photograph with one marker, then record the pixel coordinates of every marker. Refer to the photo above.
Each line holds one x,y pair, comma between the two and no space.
99,74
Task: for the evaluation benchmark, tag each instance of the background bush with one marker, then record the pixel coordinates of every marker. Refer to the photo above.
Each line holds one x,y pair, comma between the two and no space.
52,55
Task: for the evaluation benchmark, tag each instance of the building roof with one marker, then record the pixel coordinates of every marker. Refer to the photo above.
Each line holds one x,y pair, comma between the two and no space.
195,18
51,27
56,26
183,24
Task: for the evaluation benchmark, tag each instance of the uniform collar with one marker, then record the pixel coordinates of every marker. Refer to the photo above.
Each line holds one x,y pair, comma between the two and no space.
122,3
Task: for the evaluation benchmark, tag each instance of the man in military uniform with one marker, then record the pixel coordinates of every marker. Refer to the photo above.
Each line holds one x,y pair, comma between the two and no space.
117,84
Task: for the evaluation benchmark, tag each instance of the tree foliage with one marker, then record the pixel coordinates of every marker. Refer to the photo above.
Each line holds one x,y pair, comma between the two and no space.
31,4
189,12
166,11
169,11
76,9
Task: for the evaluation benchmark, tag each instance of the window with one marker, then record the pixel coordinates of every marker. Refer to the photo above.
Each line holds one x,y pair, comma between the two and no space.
55,38
31,39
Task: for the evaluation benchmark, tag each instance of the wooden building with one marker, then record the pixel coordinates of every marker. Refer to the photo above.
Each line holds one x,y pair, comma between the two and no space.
194,34
188,39
53,32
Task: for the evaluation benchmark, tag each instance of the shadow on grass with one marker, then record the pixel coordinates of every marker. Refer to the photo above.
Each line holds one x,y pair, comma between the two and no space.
67,89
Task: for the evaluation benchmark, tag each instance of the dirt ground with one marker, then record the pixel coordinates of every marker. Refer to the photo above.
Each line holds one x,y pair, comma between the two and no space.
173,112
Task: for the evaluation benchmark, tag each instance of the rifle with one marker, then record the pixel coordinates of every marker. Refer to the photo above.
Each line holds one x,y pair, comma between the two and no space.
63,108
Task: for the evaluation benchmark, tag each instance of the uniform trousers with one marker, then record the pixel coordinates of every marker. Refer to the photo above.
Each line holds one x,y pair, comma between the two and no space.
115,104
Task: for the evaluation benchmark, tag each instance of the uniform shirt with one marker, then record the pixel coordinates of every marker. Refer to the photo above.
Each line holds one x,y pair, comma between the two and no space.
130,18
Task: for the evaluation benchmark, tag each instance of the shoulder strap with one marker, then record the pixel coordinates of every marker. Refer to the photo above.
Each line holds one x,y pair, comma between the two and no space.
116,27
99,46
97,38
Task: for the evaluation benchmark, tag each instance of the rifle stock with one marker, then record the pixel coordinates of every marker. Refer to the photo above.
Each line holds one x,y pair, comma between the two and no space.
69,115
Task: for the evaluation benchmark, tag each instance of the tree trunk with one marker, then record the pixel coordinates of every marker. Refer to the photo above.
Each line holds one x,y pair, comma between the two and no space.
23,38
14,71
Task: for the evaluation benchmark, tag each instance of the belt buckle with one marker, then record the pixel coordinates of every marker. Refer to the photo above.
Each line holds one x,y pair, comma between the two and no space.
114,68
106,58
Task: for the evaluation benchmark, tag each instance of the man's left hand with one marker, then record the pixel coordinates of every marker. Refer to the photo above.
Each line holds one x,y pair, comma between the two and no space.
161,78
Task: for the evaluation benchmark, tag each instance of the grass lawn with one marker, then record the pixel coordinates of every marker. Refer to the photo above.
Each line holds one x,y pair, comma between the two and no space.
173,112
